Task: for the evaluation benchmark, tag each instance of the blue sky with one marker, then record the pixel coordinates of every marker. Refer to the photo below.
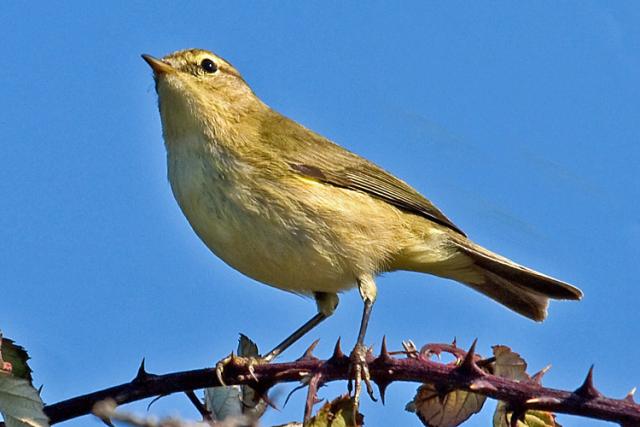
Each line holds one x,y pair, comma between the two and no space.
520,121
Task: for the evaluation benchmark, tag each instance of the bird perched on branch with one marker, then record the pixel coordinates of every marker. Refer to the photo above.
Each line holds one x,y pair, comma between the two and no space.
291,209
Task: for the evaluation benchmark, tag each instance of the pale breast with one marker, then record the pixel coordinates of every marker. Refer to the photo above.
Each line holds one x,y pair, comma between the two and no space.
266,238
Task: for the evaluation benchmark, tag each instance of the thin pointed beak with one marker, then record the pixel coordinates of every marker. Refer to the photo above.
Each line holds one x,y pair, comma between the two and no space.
159,67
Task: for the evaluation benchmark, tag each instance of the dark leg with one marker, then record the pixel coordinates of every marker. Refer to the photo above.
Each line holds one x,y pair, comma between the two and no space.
326,302
359,368
364,322
302,330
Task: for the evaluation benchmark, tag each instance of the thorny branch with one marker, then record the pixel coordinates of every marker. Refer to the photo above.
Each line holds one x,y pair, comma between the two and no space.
465,374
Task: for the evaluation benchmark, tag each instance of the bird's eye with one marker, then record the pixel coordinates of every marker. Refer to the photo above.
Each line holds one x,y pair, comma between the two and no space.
208,65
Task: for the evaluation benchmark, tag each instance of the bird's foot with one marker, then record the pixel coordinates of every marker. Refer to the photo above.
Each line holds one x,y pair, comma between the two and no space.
239,361
359,372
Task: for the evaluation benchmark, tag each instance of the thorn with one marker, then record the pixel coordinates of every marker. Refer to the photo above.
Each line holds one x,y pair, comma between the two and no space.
106,421
206,415
587,389
629,396
537,377
154,401
454,342
382,389
262,393
468,364
544,400
337,352
142,374
384,353
300,387
517,415
269,402
514,420
308,354
483,386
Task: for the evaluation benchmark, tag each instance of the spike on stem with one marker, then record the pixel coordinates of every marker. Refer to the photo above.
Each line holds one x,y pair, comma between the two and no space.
537,377
517,415
587,389
262,393
468,364
337,352
308,354
382,389
384,353
629,396
142,374
206,415
106,421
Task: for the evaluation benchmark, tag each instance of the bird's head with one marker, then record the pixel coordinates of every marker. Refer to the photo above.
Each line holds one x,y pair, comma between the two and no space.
197,87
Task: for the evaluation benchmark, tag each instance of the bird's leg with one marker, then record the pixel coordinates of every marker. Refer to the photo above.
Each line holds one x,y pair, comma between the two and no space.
326,303
359,370
299,333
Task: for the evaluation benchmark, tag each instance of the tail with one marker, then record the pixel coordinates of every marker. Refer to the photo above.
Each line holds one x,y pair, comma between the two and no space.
523,290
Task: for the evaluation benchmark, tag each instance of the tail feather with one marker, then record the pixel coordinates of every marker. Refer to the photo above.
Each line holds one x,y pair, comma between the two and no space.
525,277
521,289
519,299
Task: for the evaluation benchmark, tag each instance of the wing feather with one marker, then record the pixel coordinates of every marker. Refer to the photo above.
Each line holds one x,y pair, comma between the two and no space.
314,156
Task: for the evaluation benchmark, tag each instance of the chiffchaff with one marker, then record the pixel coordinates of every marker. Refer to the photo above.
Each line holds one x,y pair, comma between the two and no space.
291,209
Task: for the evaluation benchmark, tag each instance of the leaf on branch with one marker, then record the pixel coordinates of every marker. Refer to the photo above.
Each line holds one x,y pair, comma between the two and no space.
436,408
511,365
20,403
502,418
13,358
446,407
341,412
233,401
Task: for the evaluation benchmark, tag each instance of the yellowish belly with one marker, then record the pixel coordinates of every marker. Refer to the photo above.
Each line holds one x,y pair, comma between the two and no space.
262,239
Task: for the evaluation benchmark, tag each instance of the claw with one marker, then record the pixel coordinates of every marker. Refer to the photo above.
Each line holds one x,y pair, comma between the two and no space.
252,371
249,362
359,372
220,368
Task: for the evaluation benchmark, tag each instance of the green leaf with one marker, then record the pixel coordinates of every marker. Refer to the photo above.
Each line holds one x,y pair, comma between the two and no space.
15,357
437,408
511,365
502,418
20,403
341,412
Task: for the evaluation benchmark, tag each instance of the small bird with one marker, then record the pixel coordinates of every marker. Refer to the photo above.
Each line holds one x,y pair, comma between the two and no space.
291,209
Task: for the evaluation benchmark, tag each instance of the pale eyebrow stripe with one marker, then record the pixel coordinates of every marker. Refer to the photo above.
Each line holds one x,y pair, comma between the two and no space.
226,69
